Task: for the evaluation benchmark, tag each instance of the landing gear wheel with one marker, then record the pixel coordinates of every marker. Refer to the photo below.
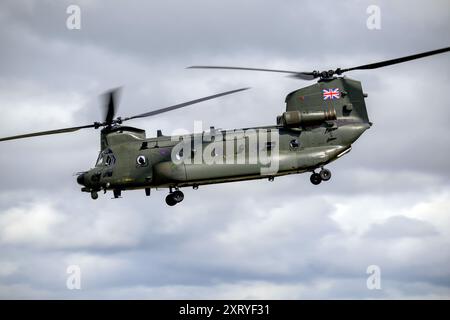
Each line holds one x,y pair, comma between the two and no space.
94,195
315,178
178,196
325,174
174,197
170,200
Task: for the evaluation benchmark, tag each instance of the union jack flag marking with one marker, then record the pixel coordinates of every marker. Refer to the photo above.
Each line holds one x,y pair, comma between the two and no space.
330,94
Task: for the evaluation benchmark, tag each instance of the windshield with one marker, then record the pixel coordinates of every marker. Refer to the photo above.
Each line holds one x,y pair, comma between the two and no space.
105,158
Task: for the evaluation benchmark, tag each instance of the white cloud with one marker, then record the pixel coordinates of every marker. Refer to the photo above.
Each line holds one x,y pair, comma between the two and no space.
47,225
30,225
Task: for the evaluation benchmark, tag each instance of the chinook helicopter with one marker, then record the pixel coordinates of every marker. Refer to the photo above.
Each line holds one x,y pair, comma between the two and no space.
320,124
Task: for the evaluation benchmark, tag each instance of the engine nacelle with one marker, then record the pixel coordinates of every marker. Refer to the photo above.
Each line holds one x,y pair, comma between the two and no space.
305,118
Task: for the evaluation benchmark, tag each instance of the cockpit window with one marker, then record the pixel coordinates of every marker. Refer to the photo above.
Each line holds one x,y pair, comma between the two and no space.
99,160
106,158
109,160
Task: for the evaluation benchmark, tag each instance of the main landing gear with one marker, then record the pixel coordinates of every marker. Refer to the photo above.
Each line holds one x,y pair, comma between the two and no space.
323,175
174,197
117,194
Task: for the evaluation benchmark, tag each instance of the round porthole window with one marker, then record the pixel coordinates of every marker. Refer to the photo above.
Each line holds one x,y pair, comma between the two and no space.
179,154
141,160
294,144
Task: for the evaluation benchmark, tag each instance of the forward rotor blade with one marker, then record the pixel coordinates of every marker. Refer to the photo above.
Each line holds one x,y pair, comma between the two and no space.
184,104
397,60
110,104
44,133
294,74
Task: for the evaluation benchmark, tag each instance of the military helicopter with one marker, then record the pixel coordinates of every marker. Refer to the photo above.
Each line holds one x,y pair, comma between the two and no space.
320,124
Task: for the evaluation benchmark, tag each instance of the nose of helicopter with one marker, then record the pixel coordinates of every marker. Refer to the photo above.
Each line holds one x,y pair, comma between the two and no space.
81,179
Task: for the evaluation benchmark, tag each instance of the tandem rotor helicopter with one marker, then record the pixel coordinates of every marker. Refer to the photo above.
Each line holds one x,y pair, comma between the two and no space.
320,124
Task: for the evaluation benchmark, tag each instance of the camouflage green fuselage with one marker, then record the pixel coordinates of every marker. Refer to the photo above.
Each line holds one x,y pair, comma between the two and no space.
137,162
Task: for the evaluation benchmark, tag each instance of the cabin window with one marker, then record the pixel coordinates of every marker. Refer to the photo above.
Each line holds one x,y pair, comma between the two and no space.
294,144
141,160
179,155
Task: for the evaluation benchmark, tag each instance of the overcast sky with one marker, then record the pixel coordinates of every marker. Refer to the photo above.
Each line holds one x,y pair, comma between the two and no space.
387,204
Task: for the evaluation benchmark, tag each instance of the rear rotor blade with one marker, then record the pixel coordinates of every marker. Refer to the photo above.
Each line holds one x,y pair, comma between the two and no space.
397,60
328,74
44,133
294,74
181,105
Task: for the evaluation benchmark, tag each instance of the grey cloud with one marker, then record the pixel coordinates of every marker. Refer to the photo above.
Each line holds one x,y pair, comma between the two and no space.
399,226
